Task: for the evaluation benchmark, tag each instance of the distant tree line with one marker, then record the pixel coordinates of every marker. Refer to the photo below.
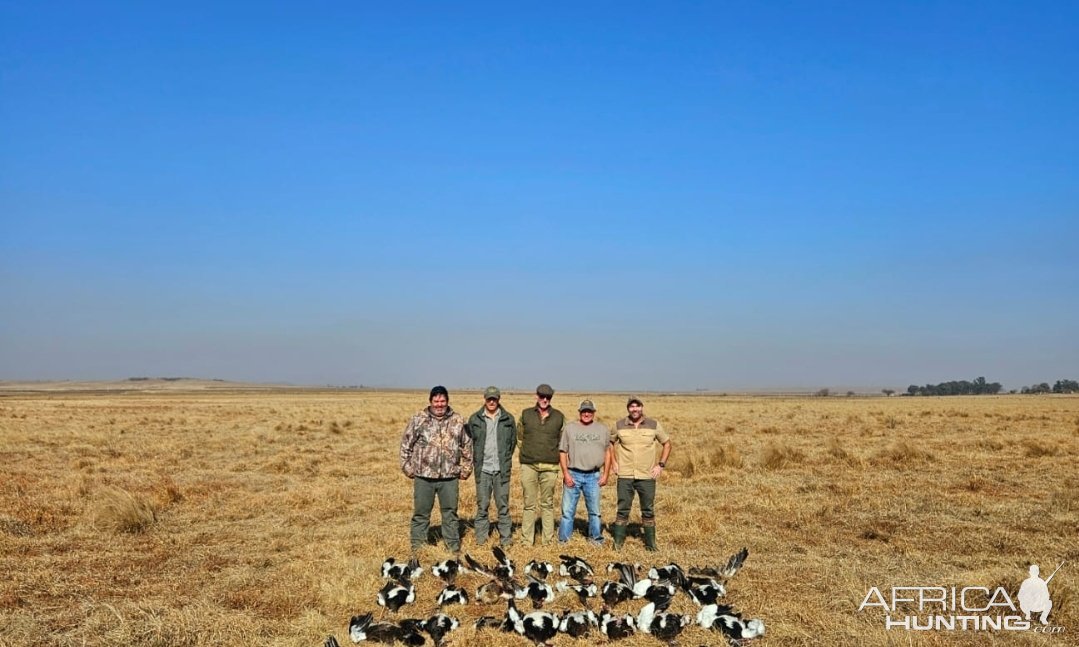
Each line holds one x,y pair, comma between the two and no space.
1061,386
981,387
957,387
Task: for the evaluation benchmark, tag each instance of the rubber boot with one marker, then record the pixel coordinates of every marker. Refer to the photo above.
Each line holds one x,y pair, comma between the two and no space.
618,532
650,539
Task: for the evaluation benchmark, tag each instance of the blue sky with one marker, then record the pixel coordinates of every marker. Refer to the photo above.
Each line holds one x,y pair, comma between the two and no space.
596,195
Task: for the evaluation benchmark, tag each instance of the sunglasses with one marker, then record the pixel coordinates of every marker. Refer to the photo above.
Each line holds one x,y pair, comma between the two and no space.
543,397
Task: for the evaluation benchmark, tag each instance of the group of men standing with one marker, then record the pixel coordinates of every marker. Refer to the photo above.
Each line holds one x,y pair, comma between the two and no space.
440,448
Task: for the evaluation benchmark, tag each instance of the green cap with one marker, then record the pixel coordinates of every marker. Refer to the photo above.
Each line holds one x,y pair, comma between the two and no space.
492,392
633,399
586,405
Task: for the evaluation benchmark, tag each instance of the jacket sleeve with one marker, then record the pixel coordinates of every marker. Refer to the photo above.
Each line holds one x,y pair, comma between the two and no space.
514,436
467,452
408,440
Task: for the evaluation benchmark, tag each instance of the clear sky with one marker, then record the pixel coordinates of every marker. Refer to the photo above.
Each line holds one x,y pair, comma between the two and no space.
608,195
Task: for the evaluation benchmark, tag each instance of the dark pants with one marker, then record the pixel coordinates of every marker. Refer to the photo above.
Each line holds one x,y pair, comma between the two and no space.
646,490
499,485
423,499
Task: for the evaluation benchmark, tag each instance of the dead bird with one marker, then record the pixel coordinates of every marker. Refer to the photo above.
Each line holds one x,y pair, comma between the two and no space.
395,570
576,568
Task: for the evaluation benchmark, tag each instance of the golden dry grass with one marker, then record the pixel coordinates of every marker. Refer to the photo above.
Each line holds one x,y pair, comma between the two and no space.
261,518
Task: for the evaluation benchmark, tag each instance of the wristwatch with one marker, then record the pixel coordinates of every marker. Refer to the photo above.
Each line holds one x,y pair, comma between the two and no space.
663,464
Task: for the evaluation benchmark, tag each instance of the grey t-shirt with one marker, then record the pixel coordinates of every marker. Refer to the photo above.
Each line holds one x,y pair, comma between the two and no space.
490,445
585,445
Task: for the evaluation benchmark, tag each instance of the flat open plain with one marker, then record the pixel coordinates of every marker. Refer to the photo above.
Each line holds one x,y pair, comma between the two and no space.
261,517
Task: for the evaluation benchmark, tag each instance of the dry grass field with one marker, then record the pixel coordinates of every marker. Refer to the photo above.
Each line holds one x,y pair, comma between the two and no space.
261,518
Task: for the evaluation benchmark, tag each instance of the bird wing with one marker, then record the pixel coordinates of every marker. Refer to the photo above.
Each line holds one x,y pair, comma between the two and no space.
735,562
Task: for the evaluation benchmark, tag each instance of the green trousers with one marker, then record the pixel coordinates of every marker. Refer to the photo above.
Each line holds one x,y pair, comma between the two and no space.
424,492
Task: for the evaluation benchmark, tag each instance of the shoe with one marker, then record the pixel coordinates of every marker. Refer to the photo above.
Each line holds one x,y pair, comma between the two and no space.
598,543
618,534
650,539
508,541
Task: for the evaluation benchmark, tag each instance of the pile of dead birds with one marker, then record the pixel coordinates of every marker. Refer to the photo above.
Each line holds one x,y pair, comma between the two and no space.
500,582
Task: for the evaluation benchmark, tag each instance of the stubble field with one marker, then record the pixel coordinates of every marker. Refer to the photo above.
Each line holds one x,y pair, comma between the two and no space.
261,518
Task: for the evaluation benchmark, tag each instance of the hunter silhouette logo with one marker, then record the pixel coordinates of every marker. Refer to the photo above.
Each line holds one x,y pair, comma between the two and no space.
1034,594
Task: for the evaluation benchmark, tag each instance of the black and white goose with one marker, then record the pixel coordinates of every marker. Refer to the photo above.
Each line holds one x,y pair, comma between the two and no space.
660,594
452,595
660,623
538,569
396,594
579,623
537,591
615,593
703,590
537,626
671,572
642,587
616,568
439,626
361,628
733,565
504,568
616,627
723,618
446,570
583,591
395,570
576,568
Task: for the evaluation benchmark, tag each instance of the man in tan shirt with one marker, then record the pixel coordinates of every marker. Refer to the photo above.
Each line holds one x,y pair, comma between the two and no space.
641,448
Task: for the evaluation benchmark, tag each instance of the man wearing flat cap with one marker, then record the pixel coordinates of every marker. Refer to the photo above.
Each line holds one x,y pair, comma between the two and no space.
538,433
494,437
641,448
584,454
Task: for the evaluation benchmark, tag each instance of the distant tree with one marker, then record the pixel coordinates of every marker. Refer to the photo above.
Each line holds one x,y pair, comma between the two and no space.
957,387
823,393
1066,386
850,394
888,392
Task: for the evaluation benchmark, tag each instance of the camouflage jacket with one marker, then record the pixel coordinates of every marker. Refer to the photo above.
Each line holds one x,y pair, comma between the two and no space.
436,448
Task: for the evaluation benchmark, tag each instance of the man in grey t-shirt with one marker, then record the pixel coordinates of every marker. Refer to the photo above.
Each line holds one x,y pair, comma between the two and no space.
584,454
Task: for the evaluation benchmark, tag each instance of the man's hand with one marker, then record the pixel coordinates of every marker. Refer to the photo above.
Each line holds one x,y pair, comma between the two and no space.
656,471
602,479
567,480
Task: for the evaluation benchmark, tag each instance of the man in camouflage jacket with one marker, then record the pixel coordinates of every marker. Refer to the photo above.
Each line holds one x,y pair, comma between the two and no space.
435,453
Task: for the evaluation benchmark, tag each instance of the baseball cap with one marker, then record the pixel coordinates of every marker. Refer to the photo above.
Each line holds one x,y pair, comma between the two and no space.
633,399
492,392
586,405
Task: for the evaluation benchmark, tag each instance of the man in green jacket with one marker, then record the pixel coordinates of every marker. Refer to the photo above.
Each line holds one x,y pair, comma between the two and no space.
494,437
538,433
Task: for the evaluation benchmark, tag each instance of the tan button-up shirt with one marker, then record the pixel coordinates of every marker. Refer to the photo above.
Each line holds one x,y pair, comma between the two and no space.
637,448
